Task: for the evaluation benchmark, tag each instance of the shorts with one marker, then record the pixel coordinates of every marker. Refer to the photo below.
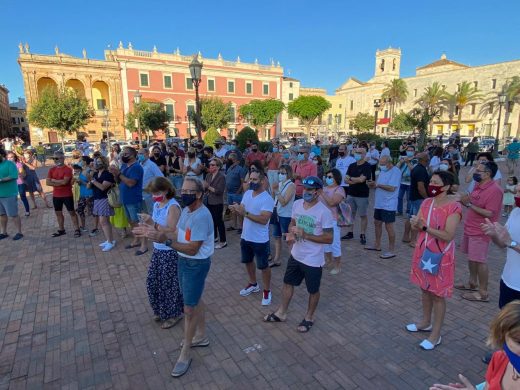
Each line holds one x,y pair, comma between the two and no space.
234,198
507,294
131,211
148,202
384,215
58,203
335,247
358,205
257,250
9,206
281,227
476,247
415,206
85,204
102,208
192,275
296,272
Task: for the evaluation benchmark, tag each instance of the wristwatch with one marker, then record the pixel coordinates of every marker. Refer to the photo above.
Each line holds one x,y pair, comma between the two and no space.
168,242
424,228
513,244
469,204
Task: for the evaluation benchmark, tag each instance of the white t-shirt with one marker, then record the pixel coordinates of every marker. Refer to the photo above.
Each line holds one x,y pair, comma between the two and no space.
434,163
312,221
221,152
511,272
373,156
342,164
387,200
196,226
385,152
253,231
84,148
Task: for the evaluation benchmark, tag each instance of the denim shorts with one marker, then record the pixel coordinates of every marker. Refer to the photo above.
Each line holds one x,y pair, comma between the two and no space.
9,206
415,206
192,275
132,210
281,227
255,250
234,198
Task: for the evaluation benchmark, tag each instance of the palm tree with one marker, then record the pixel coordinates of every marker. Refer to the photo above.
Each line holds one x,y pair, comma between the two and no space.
449,102
397,92
512,91
467,94
431,101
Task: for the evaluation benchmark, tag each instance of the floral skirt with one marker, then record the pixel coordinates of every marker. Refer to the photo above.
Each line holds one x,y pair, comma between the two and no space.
162,285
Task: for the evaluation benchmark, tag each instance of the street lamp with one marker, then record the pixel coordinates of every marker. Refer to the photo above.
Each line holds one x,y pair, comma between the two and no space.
196,77
107,122
501,101
137,102
377,104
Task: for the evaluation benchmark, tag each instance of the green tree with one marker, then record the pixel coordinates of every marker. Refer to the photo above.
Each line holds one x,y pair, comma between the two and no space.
397,92
363,122
466,94
215,113
308,108
152,117
62,110
260,113
431,101
247,133
403,122
211,136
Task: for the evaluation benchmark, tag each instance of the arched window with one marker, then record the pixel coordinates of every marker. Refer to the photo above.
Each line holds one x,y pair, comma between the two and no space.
382,66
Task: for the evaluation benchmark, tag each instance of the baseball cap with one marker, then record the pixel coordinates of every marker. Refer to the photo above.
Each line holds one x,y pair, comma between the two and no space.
312,182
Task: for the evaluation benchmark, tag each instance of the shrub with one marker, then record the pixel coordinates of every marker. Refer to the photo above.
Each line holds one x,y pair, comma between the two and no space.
264,146
211,136
245,134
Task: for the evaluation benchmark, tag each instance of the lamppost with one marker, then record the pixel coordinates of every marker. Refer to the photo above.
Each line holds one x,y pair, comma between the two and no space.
501,100
196,71
377,104
137,102
107,123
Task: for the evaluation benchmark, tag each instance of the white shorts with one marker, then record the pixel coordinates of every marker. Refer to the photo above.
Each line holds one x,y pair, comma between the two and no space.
335,247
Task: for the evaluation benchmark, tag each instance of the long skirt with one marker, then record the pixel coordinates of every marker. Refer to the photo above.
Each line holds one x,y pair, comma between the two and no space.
163,285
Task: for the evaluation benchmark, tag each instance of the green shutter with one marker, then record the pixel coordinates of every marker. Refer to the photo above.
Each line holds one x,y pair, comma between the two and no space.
189,83
144,80
167,81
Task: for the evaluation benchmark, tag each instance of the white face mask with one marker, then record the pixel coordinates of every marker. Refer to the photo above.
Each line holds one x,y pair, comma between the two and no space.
443,167
282,177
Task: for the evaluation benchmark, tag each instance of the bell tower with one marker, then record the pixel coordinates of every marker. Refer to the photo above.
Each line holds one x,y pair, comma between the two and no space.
387,66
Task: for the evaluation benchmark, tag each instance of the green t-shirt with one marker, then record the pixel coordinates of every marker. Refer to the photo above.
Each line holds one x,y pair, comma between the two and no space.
513,150
8,188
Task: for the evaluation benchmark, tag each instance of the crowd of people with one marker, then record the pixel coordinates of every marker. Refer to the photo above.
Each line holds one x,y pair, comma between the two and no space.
177,198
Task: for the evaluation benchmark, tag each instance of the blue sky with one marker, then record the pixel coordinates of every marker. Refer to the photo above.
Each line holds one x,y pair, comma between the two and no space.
320,43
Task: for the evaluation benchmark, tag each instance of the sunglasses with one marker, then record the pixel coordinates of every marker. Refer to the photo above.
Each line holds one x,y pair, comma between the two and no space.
309,182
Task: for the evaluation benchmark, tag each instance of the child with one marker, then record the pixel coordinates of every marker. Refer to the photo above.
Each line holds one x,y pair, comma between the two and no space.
84,198
509,195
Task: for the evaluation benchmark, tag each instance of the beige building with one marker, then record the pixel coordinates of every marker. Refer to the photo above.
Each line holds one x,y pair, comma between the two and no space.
19,124
290,90
5,115
477,119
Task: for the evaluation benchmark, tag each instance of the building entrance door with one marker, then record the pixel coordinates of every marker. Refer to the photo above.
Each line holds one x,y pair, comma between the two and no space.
53,137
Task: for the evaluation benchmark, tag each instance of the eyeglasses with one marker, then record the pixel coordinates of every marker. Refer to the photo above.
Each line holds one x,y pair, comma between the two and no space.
329,177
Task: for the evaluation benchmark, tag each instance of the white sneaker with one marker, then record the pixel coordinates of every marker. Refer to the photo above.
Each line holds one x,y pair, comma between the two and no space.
251,288
266,301
109,246
104,243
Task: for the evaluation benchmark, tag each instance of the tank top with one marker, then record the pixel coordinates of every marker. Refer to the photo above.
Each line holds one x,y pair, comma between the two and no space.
285,211
160,217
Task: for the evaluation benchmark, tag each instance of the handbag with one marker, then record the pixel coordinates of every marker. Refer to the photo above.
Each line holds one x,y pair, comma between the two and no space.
431,261
344,214
114,197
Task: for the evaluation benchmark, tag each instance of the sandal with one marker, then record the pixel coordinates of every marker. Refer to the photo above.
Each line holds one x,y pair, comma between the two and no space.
140,252
307,325
272,318
475,297
58,233
273,264
466,287
371,248
131,246
170,322
77,233
198,344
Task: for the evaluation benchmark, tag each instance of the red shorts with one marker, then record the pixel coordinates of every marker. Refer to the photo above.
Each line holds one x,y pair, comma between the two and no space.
476,247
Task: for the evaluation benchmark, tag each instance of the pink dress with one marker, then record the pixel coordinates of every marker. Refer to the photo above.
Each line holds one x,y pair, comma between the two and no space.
442,283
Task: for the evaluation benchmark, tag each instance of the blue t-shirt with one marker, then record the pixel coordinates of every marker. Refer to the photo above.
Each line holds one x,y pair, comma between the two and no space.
316,150
84,192
132,195
234,176
513,150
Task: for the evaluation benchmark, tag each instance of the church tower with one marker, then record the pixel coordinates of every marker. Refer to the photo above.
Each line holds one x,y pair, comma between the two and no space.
388,63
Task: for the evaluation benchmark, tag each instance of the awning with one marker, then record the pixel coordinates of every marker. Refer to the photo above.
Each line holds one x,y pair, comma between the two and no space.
383,121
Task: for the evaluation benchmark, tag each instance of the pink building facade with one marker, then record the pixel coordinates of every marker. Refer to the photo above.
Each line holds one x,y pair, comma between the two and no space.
165,79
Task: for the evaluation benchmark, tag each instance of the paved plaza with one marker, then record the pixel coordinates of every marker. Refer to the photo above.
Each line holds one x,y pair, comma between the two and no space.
73,317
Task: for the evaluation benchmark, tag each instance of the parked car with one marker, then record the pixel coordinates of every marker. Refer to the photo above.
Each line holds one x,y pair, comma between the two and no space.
52,147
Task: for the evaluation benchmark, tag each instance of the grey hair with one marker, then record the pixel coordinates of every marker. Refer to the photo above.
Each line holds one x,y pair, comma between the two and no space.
198,183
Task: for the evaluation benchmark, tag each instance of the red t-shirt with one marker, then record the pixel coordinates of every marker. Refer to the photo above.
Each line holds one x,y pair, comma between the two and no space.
60,173
496,370
253,156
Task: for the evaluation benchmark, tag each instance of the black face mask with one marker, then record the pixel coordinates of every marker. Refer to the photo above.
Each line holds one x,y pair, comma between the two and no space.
341,153
191,155
125,159
254,149
157,154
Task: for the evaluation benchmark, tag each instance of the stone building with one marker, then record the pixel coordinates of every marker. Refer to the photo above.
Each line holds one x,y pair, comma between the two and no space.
19,124
5,115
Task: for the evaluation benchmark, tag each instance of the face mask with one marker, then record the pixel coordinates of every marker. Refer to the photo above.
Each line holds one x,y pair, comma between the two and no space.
341,153
300,157
282,177
98,165
188,199
308,197
409,154
477,177
254,186
59,163
158,198
383,168
254,149
125,159
372,147
315,162
275,150
443,167
517,201
286,155
434,190
230,161
27,156
191,155
357,157
513,358
157,154
329,181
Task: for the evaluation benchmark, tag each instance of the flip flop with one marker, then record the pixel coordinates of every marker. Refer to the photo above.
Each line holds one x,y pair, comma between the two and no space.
307,325
474,297
170,323
140,252
465,287
130,246
387,255
58,233
272,318
371,248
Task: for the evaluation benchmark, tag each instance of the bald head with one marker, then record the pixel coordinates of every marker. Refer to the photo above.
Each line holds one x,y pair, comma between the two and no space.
423,158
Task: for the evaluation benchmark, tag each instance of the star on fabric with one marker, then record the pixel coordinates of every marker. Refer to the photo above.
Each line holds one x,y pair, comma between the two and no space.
427,265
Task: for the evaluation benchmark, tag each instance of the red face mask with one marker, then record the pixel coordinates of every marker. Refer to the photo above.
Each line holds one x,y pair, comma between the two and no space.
517,201
158,198
434,190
